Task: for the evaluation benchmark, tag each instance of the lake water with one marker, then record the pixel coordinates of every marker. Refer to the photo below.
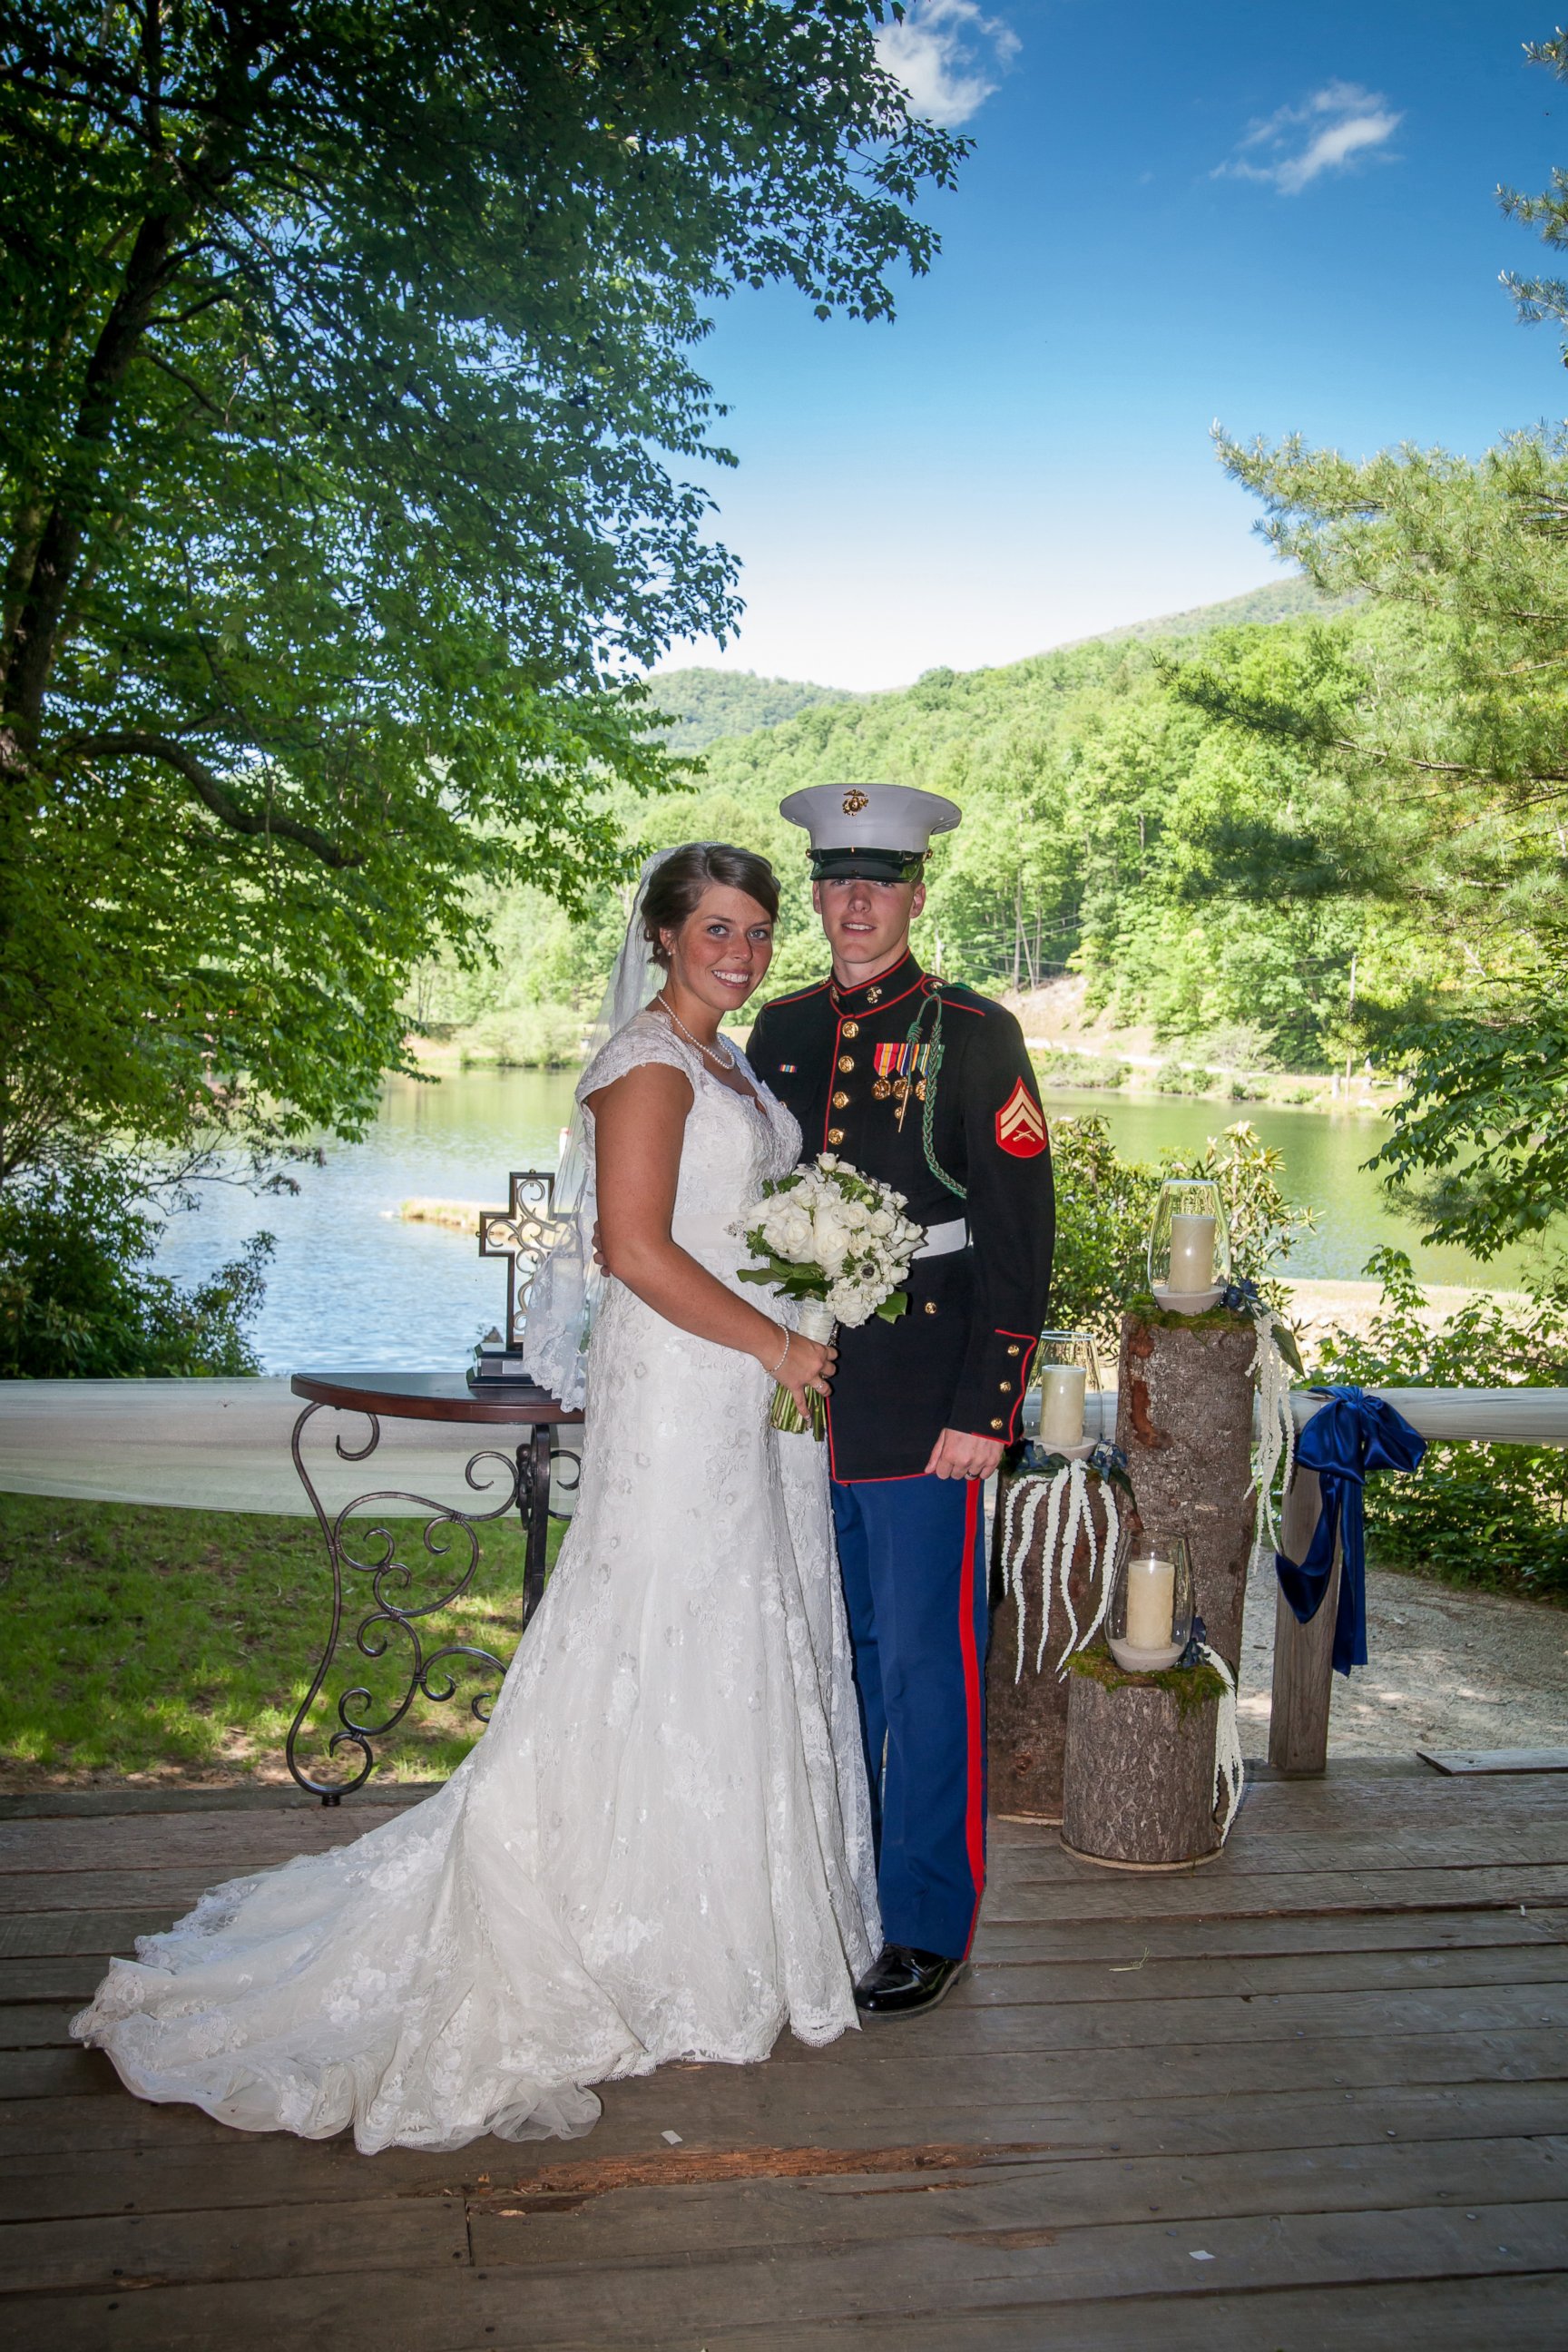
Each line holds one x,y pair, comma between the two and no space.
352,1285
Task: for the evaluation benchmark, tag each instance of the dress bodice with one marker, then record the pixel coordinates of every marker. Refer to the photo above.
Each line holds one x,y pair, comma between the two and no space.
732,1146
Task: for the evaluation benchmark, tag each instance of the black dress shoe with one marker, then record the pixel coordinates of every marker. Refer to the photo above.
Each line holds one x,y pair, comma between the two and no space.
903,1982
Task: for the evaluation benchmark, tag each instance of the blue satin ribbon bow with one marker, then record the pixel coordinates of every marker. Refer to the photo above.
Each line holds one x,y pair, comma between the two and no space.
1349,1436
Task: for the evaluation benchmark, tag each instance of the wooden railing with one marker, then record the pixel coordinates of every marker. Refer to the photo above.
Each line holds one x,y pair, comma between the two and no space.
1304,1669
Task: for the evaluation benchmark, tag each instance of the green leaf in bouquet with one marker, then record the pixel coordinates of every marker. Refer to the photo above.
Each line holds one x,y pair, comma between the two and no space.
895,1305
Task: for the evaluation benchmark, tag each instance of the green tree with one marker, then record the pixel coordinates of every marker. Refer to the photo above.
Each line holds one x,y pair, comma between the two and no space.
347,370
79,1297
1449,763
1443,788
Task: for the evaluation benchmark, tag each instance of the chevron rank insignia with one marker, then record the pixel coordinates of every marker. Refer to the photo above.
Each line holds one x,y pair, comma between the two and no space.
1021,1124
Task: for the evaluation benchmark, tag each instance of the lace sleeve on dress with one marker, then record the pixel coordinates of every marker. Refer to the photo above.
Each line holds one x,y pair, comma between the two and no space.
644,1038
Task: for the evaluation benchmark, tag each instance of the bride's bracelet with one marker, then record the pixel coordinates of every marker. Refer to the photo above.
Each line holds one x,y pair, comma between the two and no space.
778,1368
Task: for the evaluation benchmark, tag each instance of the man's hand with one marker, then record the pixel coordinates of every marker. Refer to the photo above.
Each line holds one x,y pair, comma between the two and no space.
960,1454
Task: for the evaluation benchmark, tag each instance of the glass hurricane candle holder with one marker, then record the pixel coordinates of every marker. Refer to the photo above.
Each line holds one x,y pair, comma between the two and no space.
1065,1372
1189,1246
1150,1615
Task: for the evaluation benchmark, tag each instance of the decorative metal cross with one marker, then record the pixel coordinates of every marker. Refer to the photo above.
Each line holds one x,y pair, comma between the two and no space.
521,1232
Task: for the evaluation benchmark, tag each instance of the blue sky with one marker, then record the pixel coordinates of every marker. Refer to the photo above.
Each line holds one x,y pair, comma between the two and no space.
1282,217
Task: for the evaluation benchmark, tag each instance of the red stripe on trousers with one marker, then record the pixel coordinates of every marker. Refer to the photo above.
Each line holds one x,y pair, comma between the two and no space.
974,1821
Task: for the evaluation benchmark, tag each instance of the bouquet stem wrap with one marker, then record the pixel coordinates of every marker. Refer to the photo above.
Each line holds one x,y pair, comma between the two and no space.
815,1319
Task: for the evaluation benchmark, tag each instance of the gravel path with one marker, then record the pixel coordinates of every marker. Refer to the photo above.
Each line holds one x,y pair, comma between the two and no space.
1448,1669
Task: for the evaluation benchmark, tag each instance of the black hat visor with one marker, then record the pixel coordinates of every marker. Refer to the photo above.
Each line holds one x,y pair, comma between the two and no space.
872,864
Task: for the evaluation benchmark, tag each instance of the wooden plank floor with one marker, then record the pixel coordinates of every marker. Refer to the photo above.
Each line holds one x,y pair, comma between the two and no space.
1310,2095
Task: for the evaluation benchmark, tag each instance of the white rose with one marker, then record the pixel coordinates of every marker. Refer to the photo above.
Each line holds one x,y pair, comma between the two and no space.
830,1238
883,1222
795,1237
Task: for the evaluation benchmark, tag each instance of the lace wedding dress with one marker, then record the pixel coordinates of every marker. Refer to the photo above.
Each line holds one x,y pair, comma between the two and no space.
659,1849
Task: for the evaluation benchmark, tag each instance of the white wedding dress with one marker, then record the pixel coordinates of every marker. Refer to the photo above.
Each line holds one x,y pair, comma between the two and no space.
659,1849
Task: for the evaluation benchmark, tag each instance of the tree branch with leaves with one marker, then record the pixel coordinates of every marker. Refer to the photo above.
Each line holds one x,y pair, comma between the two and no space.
349,410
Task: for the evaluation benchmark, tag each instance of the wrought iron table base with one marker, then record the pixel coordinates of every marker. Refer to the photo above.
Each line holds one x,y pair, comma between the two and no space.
389,1586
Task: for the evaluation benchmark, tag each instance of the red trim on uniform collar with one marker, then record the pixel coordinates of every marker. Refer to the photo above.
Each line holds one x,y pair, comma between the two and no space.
817,988
900,978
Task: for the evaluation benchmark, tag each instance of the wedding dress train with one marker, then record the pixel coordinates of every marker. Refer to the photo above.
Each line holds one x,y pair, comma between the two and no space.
661,1846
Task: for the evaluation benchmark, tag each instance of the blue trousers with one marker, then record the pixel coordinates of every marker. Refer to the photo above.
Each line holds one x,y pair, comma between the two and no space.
911,1551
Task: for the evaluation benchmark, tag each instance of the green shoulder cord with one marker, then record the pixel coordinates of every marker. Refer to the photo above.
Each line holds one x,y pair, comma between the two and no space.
928,1108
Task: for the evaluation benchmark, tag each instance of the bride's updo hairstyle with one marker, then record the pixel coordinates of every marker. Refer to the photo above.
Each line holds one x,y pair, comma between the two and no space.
677,887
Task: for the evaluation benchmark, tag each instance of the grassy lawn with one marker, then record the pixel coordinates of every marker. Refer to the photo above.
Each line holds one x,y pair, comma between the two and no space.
176,1645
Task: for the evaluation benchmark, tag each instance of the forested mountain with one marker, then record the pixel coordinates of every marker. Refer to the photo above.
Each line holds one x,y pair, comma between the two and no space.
1107,825
1280,600
714,702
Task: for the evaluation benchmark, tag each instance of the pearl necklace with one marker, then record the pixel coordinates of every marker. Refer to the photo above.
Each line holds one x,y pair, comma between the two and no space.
726,1061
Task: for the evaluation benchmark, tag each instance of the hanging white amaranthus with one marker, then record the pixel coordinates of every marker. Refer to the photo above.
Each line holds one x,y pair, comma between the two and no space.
1276,1363
1229,1771
1061,1488
1228,1767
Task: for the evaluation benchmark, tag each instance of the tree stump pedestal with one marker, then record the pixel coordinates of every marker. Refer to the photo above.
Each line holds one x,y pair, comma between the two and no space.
1184,1419
1138,1776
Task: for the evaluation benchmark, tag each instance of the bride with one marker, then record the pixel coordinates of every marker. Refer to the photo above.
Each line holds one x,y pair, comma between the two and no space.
661,1847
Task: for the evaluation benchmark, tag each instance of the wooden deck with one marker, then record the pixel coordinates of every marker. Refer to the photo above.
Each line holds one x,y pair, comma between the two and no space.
1308,2096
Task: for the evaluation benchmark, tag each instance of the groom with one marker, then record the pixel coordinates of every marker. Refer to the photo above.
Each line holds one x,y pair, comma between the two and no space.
927,1087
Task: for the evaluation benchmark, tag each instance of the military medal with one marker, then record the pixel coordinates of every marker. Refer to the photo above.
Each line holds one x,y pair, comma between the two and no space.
900,1072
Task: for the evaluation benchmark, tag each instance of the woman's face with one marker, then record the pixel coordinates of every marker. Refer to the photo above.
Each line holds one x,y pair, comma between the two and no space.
722,951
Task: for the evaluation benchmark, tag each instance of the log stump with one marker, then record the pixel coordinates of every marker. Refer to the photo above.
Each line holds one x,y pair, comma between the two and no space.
1139,1780
1184,1419
1027,1714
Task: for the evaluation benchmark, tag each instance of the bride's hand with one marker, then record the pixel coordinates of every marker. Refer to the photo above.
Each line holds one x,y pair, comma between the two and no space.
807,1369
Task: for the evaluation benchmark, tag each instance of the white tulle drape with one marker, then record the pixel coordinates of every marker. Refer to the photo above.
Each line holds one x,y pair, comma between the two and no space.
564,1296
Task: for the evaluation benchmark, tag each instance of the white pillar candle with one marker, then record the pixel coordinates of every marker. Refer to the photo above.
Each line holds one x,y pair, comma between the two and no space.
1192,1253
1150,1599
1061,1404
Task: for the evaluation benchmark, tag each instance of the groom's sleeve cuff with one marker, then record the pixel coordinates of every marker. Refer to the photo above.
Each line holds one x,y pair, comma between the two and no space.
990,1396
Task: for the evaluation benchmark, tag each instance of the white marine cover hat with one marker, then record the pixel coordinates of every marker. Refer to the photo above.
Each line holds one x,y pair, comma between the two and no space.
882,831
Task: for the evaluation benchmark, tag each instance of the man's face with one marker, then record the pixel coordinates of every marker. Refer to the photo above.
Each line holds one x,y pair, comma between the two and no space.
866,923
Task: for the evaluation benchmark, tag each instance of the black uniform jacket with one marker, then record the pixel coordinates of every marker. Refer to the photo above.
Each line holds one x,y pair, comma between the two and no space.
843,1061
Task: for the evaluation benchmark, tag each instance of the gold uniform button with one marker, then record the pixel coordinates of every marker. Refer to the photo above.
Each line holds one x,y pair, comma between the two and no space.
996,1424
840,1102
852,1028
930,1306
1012,1352
1005,1387
846,1062
835,1135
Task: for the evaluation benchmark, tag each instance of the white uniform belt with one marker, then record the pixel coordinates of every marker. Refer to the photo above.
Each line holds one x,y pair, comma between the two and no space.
941,1241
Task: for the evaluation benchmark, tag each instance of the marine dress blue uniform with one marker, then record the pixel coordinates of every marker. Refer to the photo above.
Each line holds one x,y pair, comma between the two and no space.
927,1087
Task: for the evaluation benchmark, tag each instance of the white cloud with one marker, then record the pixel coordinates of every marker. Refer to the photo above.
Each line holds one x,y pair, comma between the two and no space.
1337,126
947,55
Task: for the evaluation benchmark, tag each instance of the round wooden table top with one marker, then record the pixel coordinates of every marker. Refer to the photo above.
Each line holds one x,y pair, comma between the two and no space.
431,1396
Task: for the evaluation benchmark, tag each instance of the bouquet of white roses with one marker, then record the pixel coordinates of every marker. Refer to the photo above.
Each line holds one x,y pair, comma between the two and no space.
840,1244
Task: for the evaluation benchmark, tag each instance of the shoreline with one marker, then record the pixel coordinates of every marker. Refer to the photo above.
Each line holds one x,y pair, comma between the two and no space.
1069,1043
